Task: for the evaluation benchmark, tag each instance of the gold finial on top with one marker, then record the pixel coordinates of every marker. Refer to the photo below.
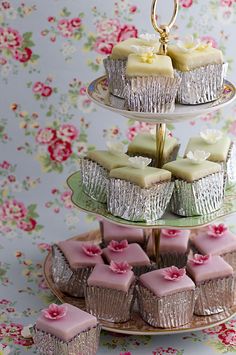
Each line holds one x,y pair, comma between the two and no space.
163,30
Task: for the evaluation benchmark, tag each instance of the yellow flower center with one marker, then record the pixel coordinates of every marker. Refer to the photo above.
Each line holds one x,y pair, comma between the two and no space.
147,57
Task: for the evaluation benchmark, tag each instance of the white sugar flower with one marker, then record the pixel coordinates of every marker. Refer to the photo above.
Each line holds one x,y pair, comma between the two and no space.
26,331
198,156
142,49
188,44
211,136
149,37
139,162
115,147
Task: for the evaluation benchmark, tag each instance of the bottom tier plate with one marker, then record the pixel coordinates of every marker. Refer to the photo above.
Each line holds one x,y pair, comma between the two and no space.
135,325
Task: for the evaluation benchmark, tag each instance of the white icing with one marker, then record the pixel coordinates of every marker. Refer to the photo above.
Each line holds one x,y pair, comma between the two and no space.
139,162
198,156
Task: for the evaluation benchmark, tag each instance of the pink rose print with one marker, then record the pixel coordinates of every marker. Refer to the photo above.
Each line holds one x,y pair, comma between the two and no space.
12,210
209,40
126,353
120,268
215,330
102,46
107,29
75,22
44,246
27,226
92,249
133,9
12,330
66,198
60,150
38,87
232,128
54,311
67,132
228,337
23,55
46,135
10,38
47,91
199,259
217,231
171,233
186,3
227,3
5,165
118,246
127,31
4,301
6,5
173,273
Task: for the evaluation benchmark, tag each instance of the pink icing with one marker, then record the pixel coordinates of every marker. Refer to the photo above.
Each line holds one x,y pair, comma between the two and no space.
118,247
161,287
174,242
113,231
217,231
54,311
74,322
199,259
75,255
206,244
120,268
133,254
215,268
92,249
173,273
103,276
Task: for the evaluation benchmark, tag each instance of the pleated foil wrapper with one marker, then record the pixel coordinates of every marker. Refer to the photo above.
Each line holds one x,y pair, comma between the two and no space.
166,312
69,281
201,85
215,296
94,179
173,258
171,157
85,343
115,71
151,94
230,165
110,304
200,197
131,202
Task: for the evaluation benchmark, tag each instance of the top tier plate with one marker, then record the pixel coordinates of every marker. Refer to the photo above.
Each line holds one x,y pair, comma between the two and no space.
98,92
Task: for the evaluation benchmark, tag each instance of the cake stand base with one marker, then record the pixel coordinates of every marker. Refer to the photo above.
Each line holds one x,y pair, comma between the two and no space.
135,326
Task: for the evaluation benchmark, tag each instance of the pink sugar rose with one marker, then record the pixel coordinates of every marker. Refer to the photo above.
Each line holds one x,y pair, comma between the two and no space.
186,3
102,46
127,31
118,246
47,91
23,55
173,273
199,259
217,231
54,311
9,38
38,87
92,249
27,226
75,22
171,233
67,132
120,268
60,150
45,135
12,210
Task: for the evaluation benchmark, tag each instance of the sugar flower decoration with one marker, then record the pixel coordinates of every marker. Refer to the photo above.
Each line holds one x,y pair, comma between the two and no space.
4,350
139,162
116,148
55,312
217,231
188,44
149,37
120,268
26,333
91,249
199,259
198,156
211,136
118,246
171,233
173,273
146,53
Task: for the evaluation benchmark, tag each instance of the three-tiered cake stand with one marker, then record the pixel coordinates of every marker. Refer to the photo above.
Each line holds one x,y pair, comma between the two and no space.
99,93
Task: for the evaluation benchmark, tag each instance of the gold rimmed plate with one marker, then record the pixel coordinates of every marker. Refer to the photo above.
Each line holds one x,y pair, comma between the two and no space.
98,93
135,325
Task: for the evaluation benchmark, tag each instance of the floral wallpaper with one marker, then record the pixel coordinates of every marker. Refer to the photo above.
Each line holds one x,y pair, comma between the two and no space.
49,51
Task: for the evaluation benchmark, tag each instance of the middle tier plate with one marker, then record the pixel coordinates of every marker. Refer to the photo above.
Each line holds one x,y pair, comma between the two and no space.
87,204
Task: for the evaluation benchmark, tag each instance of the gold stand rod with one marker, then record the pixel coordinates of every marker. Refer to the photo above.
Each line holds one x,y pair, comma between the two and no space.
160,142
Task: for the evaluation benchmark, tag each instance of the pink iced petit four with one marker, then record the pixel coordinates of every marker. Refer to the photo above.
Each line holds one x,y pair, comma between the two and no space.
174,247
131,253
73,262
216,240
215,282
109,291
111,231
63,329
166,297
